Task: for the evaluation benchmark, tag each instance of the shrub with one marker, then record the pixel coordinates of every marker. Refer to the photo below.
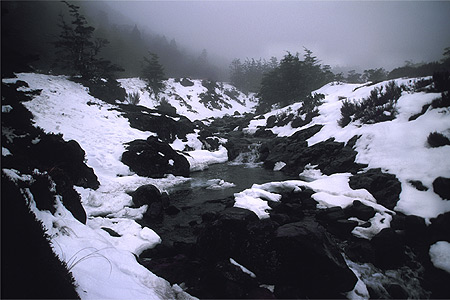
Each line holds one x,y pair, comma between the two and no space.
380,106
441,81
166,108
436,139
133,98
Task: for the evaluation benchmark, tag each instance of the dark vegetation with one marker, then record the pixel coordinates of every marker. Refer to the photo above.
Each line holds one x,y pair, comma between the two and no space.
380,106
292,80
27,41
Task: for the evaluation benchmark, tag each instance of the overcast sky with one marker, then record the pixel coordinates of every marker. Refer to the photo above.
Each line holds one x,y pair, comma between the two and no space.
340,33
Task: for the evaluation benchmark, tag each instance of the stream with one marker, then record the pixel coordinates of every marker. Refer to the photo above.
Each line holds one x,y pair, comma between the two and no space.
208,192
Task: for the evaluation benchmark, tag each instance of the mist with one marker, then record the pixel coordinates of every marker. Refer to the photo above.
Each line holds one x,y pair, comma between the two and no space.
342,34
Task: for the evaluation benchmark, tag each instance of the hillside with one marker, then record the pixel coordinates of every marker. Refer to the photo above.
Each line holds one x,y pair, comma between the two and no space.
370,198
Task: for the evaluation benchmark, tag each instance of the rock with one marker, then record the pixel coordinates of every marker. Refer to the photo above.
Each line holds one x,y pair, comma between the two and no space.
360,211
225,236
389,249
330,156
53,151
150,195
235,146
383,186
440,228
186,82
111,232
441,186
70,198
152,158
360,250
168,128
418,185
306,246
172,210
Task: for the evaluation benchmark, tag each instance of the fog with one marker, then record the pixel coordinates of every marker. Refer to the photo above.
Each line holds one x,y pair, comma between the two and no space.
346,34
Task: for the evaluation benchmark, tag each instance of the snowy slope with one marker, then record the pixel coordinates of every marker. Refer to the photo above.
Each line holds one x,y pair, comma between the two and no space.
186,99
398,147
103,266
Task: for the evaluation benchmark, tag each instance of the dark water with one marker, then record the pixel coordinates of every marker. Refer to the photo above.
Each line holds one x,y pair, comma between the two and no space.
197,197
205,185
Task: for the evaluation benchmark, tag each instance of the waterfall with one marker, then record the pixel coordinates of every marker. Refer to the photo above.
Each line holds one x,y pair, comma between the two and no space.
248,157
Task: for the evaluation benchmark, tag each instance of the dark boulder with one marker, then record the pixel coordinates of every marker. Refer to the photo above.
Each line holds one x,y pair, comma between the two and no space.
152,158
167,127
441,186
235,146
389,249
224,236
383,186
54,152
440,228
309,260
150,195
70,198
330,156
186,82
360,211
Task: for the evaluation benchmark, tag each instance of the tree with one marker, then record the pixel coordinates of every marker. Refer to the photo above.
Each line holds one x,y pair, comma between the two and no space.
292,80
353,77
78,49
375,75
153,73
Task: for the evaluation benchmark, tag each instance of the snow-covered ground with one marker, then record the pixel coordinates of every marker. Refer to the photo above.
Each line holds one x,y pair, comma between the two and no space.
398,147
186,99
103,266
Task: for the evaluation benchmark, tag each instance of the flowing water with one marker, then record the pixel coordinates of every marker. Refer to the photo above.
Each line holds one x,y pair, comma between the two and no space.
210,191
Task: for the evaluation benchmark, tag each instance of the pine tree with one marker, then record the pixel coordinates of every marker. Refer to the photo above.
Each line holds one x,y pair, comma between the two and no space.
78,49
153,73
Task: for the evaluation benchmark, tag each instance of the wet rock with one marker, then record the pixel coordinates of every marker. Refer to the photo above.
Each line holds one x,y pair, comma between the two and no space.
330,156
224,236
383,186
389,249
151,196
306,246
360,211
441,186
152,158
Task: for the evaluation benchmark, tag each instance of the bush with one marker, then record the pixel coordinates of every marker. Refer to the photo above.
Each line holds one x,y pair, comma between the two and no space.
378,107
441,81
436,139
108,90
165,107
133,98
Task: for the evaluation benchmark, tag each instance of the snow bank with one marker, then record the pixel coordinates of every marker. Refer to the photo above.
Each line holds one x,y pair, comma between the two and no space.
103,266
398,147
187,99
440,255
331,191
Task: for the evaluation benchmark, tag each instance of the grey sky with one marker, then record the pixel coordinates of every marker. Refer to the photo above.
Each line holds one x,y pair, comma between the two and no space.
347,33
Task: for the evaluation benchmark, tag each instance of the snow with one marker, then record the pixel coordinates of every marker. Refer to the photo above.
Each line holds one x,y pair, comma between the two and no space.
186,100
103,266
398,147
440,255
279,165
200,159
5,151
244,269
218,184
330,191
